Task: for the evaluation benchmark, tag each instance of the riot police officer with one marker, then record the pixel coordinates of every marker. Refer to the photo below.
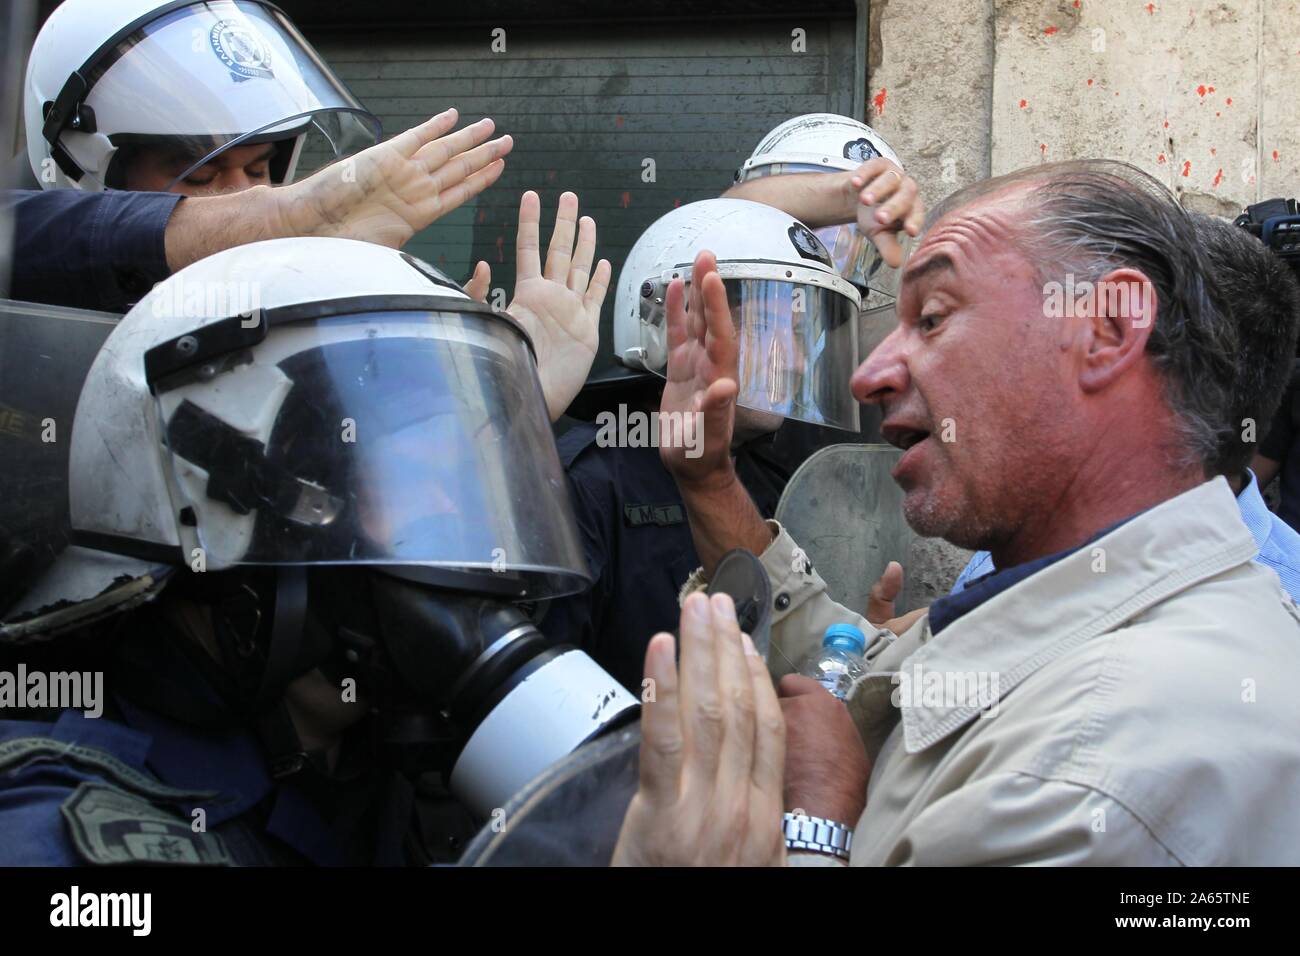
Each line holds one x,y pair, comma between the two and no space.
127,113
302,516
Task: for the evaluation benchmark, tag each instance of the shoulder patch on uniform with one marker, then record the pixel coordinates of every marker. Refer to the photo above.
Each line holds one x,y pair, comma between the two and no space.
20,751
112,827
661,515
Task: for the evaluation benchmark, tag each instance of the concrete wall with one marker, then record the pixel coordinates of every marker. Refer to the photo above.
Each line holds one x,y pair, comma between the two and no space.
1203,95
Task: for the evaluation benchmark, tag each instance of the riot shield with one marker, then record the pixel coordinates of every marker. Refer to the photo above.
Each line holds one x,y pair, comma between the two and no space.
45,353
845,511
570,814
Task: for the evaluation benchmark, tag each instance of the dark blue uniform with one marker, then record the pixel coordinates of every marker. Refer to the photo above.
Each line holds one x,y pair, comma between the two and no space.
638,545
101,250
123,788
76,791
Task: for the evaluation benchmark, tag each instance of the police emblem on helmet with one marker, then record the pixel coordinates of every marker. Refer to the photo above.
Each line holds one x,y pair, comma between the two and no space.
808,245
860,150
241,49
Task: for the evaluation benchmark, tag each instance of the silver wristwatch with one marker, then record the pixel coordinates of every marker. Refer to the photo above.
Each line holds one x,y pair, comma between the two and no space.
803,832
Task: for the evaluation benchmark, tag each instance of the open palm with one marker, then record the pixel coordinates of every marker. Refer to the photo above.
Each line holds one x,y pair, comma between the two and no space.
559,306
703,356
391,191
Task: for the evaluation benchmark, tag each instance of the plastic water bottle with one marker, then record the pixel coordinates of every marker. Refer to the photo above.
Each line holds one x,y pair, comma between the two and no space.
838,664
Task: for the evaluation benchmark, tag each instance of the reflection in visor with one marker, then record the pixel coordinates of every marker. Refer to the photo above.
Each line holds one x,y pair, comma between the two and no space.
798,349
855,258
413,457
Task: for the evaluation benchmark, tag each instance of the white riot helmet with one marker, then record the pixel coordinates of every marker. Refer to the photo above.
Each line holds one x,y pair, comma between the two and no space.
820,143
108,77
323,401
796,316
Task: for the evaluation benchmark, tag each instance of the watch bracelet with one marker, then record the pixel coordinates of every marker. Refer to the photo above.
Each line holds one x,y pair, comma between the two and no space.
816,834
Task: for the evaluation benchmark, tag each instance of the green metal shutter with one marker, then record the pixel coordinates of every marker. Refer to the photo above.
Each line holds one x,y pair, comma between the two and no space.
586,105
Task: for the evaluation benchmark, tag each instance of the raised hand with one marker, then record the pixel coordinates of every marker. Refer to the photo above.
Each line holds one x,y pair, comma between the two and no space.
392,190
703,357
476,287
880,601
559,306
889,201
712,751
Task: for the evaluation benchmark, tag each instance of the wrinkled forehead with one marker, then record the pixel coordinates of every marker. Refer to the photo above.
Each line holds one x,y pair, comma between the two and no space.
964,238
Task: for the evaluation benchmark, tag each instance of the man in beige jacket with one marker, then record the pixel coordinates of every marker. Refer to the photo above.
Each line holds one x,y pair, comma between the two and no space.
1121,692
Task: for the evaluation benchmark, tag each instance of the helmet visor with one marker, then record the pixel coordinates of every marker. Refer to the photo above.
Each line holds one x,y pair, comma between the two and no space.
798,348
206,77
412,439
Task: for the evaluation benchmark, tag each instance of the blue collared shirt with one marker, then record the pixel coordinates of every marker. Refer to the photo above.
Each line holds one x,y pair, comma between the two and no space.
976,588
1279,544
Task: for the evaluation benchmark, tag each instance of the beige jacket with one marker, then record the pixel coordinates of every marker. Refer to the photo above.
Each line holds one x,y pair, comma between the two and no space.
1145,698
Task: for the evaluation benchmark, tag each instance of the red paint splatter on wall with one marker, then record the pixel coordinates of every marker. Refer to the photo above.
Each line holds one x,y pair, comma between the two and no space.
1090,81
1042,148
1048,31
1166,124
1187,167
1213,151
1211,89
625,199
1024,103
1218,177
878,101
1076,4
1200,90
1217,114
1275,157
1160,158
501,244
1229,100
1151,8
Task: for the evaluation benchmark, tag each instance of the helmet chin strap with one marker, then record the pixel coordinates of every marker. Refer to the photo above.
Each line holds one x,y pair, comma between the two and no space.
276,726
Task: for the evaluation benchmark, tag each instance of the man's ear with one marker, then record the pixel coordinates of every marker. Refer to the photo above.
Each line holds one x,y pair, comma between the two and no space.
1123,313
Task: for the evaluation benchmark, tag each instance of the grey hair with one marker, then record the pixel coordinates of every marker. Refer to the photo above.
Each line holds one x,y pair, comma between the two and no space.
1090,217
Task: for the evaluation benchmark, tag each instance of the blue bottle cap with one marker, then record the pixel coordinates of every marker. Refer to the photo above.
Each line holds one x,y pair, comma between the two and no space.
845,637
